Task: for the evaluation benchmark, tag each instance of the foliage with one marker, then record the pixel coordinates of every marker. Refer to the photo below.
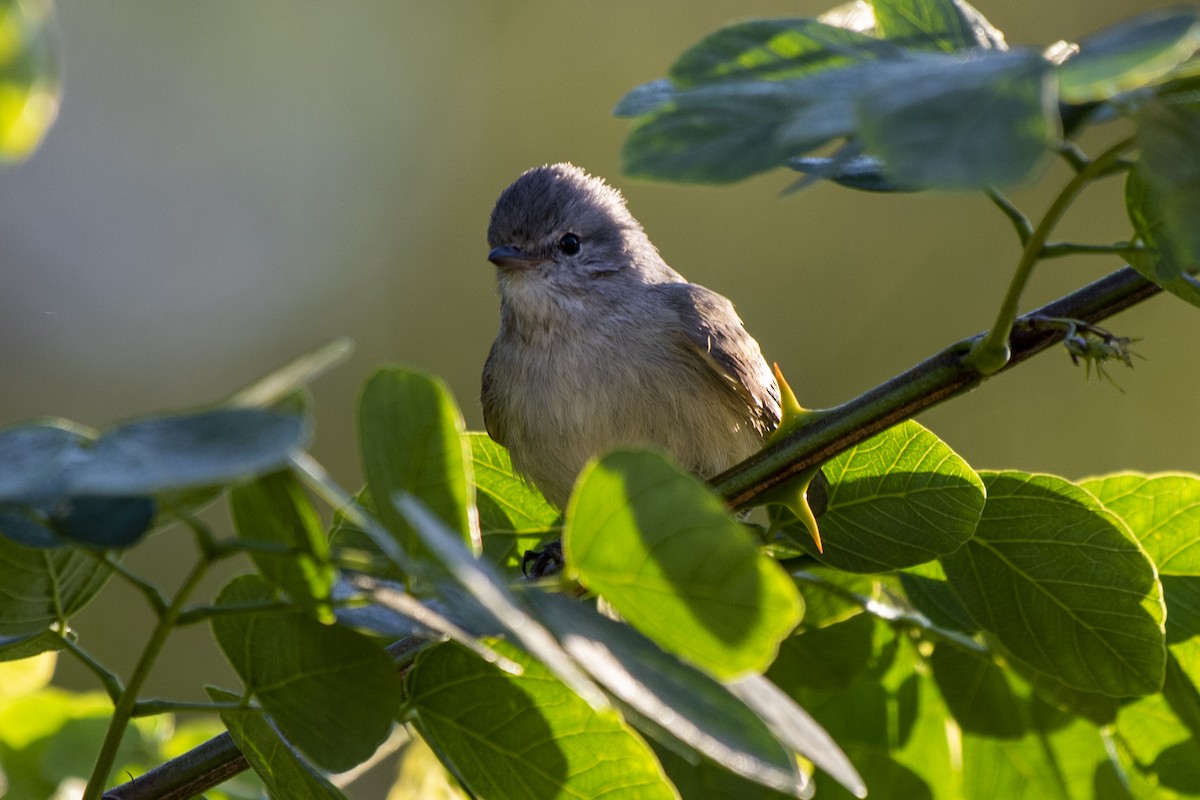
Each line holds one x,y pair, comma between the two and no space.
963,633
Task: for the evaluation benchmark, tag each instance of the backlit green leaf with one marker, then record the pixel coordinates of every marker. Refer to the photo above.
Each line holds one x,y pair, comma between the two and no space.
413,441
661,547
39,587
1058,580
900,498
508,736
1133,53
275,510
946,25
300,669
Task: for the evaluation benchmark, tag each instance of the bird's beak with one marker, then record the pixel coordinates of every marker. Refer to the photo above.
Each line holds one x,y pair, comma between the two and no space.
509,257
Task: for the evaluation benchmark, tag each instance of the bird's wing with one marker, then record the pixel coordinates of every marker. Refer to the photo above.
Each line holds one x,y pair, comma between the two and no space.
711,328
487,398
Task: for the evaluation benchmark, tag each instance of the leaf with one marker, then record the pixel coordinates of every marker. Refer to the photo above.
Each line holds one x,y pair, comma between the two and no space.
282,770
302,672
478,590
513,515
1163,193
275,510
294,376
1135,52
670,698
30,88
975,123
977,693
205,448
1162,511
900,498
508,736
946,25
1056,578
661,548
413,441
39,588
724,132
772,49
35,456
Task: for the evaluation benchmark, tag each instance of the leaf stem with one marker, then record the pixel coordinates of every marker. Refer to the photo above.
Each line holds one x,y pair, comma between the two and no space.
127,701
1021,222
109,680
894,615
992,353
1059,249
927,384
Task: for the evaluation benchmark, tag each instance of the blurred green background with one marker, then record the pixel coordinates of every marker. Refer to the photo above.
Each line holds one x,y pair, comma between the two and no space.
230,184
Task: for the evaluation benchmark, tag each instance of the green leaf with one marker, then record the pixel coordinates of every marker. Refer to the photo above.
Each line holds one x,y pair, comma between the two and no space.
900,498
675,699
1049,763
977,693
205,448
413,441
772,49
976,123
663,550
282,770
275,510
728,131
832,657
332,692
1058,580
1163,193
946,25
1136,52
513,515
706,779
1162,511
508,736
41,587
30,88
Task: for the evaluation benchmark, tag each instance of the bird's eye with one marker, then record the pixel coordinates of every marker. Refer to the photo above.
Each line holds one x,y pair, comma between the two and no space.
569,244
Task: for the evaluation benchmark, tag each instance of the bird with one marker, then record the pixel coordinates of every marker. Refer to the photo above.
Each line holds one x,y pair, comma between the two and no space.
601,344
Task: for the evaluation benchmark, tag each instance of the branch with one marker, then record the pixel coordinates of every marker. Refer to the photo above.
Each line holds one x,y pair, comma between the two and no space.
938,378
925,385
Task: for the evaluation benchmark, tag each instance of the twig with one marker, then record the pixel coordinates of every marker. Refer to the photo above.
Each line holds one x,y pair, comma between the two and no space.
933,381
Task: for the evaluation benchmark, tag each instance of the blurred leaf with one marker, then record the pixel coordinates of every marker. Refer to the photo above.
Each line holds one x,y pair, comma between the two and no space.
508,736
14,648
34,457
976,123
703,778
1045,764
332,692
26,675
947,25
294,376
282,770
861,172
724,132
420,776
670,698
1056,579
900,498
413,441
1162,512
29,84
934,598
275,510
977,693
1162,194
1133,53
513,515
832,657
772,49
42,587
205,448
658,545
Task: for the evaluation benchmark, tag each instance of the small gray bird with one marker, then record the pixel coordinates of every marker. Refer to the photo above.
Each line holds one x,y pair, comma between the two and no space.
602,344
